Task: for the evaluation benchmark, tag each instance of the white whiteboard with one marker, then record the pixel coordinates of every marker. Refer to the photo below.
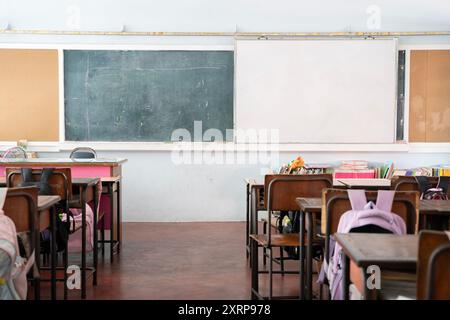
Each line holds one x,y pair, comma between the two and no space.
317,91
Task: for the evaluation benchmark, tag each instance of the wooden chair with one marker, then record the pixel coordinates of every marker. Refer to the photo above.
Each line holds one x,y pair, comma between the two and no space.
336,203
21,206
311,188
408,183
281,192
439,275
60,183
433,273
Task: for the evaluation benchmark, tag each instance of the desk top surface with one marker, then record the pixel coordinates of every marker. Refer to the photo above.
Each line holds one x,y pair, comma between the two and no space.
75,181
85,181
383,250
310,204
351,183
440,206
45,202
62,161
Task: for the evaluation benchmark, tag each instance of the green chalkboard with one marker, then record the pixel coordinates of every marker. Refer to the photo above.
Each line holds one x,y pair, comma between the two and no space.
146,95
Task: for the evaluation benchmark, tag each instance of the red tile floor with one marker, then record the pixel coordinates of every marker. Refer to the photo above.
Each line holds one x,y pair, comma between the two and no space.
198,260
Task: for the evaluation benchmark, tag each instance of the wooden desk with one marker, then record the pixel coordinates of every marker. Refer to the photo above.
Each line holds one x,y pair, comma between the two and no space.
47,219
87,186
308,207
367,184
384,250
107,169
254,190
435,214
45,203
111,187
99,167
441,207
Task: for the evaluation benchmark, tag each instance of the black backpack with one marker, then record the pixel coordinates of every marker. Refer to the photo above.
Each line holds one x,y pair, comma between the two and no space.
62,229
289,222
428,192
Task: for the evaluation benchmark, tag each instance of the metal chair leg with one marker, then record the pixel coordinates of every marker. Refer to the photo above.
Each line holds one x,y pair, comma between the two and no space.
264,248
102,235
66,265
270,274
282,261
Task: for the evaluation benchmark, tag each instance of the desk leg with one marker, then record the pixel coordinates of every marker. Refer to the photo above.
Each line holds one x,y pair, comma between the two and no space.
253,222
83,243
94,276
345,277
309,258
254,263
247,222
53,249
37,270
119,216
111,224
302,256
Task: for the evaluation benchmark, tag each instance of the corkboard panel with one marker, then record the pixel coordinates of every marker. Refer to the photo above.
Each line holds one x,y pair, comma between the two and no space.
418,95
29,95
438,96
429,104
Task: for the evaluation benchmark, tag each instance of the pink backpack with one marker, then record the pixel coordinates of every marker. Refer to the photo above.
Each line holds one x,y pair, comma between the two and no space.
13,268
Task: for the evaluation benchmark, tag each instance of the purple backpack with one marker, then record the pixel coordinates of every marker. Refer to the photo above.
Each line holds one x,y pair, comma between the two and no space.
363,214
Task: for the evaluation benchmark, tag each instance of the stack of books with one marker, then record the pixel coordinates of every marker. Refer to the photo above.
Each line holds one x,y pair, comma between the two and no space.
441,171
354,169
424,171
316,168
385,171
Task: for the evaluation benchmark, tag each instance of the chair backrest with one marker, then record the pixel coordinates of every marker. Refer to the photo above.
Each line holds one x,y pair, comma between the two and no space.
21,206
83,153
60,181
336,202
433,265
408,183
281,190
439,274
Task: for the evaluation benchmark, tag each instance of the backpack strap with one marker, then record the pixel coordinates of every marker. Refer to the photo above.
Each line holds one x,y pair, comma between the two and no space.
27,175
44,187
443,183
3,192
422,181
385,198
357,198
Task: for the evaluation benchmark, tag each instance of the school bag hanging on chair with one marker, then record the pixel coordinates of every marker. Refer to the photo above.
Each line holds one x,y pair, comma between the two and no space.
62,232
427,192
365,217
13,268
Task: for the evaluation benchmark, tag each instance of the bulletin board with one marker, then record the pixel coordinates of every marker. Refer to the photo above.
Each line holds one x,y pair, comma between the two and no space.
429,97
29,96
